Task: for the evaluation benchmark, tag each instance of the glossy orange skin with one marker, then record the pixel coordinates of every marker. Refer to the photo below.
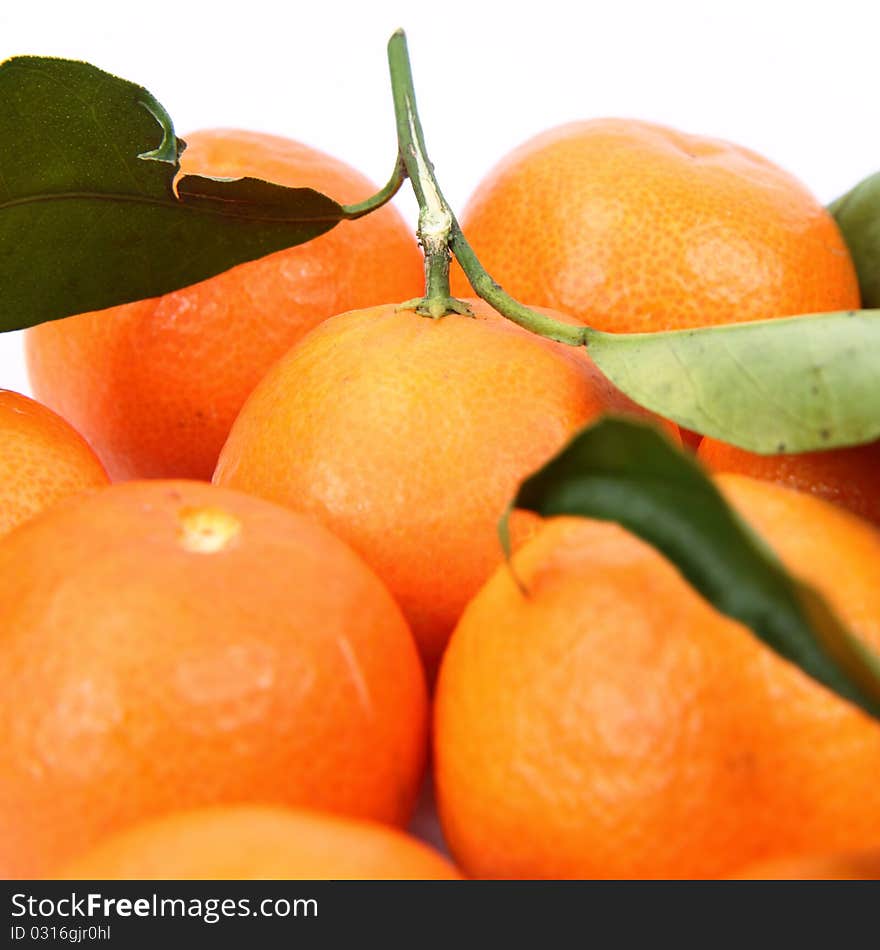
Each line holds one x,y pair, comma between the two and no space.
611,724
249,843
155,385
849,477
167,645
852,866
632,226
408,436
42,460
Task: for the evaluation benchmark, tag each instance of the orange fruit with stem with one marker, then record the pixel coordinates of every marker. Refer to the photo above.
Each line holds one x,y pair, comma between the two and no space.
633,226
604,721
407,437
42,460
259,843
168,645
155,385
849,476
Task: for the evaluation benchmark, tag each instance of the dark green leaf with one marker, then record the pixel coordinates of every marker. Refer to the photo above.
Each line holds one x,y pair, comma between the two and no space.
89,217
858,216
789,385
624,471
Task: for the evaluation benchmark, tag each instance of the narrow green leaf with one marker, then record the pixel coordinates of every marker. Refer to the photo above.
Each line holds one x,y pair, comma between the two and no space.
795,384
625,471
89,217
858,216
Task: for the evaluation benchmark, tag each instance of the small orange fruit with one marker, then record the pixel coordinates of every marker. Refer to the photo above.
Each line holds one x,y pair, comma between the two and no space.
407,437
632,226
155,385
849,477
167,645
42,460
259,843
608,722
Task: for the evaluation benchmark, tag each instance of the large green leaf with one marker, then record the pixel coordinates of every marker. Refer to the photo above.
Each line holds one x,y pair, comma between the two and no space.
858,216
789,385
624,471
89,217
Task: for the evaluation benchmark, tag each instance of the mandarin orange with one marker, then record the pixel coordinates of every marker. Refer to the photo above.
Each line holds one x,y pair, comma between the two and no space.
849,477
632,226
155,385
407,437
42,460
608,722
167,645
259,843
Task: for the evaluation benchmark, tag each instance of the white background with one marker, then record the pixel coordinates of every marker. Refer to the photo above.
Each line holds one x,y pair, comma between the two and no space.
796,81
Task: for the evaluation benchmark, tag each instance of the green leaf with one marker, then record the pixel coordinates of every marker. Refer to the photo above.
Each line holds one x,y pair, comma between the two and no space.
89,217
795,384
858,216
625,471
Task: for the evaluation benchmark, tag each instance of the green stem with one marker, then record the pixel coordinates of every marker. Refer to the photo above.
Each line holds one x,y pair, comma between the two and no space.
485,287
398,177
438,229
435,217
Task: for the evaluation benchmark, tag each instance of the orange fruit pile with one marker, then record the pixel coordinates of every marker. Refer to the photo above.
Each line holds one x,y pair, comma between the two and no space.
230,680
155,385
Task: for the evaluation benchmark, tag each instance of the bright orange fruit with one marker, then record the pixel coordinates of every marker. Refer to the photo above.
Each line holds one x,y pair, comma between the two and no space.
260,843
155,385
632,226
42,460
609,723
167,645
848,477
408,436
